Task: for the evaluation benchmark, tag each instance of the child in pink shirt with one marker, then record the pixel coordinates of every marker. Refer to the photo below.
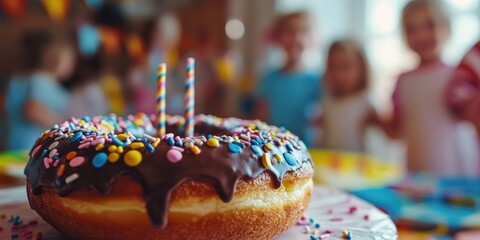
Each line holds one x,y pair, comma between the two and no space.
420,116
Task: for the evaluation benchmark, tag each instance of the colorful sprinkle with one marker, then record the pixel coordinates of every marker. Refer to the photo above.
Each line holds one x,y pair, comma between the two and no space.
137,145
71,155
99,147
290,159
212,142
77,161
113,157
35,150
76,136
53,145
174,156
266,161
269,146
61,169
112,148
346,234
132,158
256,149
234,148
278,157
71,178
99,160
195,150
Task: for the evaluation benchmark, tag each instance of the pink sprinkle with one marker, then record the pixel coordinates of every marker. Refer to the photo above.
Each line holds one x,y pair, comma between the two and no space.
325,236
330,211
366,217
178,148
327,232
245,142
98,140
36,150
55,163
84,145
337,219
77,161
174,156
46,163
168,135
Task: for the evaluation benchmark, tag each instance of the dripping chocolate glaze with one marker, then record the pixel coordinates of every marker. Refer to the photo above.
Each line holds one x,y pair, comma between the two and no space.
156,174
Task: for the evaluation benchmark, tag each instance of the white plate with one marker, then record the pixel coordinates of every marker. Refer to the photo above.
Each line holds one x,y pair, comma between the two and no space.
332,209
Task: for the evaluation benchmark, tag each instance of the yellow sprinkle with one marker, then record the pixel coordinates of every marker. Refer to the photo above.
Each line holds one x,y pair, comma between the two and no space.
156,142
278,157
212,142
71,155
108,126
99,147
136,145
94,128
267,163
252,126
119,149
236,139
81,123
344,233
138,122
272,133
70,134
112,148
113,157
132,158
122,136
269,146
195,149
315,232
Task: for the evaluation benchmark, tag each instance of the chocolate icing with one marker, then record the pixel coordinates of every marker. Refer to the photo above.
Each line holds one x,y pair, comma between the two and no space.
156,174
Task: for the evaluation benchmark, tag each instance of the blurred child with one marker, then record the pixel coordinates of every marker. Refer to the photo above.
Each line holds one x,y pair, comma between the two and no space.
284,94
420,116
463,94
88,97
346,110
36,99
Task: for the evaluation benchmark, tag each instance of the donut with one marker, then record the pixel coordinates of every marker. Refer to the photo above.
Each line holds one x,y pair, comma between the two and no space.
110,177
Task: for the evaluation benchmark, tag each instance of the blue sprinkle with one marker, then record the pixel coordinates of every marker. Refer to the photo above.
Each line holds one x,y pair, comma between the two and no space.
313,237
311,220
144,140
291,160
170,141
317,225
179,143
289,147
44,153
55,158
117,141
150,147
209,136
234,148
240,144
99,160
253,141
15,235
256,149
86,119
76,136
